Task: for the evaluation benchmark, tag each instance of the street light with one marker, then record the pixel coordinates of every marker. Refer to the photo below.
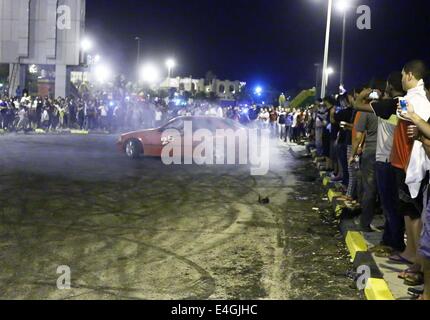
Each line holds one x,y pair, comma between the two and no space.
102,73
170,64
329,72
343,5
86,44
149,73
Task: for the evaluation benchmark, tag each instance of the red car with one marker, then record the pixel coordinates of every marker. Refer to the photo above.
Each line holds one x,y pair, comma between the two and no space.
149,142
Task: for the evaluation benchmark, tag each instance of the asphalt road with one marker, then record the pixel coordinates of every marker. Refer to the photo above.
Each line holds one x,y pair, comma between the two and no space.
143,230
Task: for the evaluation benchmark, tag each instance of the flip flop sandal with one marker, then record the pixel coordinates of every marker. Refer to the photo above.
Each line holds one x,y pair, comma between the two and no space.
414,280
383,254
404,274
397,258
381,248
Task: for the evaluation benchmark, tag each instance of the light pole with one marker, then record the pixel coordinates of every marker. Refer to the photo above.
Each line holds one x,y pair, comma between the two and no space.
170,64
317,77
329,72
326,49
86,46
343,6
149,74
138,39
342,60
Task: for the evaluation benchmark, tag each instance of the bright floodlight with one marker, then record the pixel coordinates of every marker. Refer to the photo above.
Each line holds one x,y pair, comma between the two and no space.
343,5
170,63
330,70
258,90
149,73
97,58
86,44
102,73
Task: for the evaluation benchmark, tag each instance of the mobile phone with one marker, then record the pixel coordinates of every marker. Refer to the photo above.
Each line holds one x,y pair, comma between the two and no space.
403,105
374,96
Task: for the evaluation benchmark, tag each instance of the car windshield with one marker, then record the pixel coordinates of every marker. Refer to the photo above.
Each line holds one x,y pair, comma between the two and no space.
177,124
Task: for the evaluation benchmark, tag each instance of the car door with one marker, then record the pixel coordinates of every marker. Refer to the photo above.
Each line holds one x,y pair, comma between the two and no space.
176,124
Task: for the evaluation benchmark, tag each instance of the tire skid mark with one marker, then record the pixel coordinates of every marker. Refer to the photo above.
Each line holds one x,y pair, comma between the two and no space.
205,278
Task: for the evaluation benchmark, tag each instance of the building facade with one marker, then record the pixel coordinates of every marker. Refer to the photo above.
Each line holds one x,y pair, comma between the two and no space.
224,89
44,34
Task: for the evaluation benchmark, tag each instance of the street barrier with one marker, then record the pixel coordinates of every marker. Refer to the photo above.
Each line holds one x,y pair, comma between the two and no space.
376,288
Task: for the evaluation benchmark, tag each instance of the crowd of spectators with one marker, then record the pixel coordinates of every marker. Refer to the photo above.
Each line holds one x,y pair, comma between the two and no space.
376,142
25,113
98,112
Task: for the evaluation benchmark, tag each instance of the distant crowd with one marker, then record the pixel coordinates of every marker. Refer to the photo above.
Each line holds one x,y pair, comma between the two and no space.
27,113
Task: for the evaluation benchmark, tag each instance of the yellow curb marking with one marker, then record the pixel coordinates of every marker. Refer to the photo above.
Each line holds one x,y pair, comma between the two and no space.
377,289
332,194
339,210
326,181
79,132
355,243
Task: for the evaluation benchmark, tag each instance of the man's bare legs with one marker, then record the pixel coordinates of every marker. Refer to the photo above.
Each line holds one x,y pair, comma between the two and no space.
426,267
410,252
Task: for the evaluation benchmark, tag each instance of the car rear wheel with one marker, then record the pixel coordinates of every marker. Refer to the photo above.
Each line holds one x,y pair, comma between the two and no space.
133,149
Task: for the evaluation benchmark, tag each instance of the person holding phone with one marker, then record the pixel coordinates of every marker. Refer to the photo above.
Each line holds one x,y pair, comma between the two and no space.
419,130
407,206
385,110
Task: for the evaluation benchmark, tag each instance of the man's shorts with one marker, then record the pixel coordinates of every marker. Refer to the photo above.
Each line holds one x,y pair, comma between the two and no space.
407,206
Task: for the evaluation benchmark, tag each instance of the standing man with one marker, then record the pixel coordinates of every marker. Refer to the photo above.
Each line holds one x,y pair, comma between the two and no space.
402,157
368,126
393,237
281,124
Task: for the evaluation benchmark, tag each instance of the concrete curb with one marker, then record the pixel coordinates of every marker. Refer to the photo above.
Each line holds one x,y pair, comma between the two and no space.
79,132
326,181
58,133
376,289
333,194
355,243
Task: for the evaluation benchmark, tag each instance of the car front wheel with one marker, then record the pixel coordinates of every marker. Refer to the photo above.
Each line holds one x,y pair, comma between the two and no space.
133,149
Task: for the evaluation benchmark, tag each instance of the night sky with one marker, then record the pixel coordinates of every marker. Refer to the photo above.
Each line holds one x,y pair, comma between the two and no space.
269,42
